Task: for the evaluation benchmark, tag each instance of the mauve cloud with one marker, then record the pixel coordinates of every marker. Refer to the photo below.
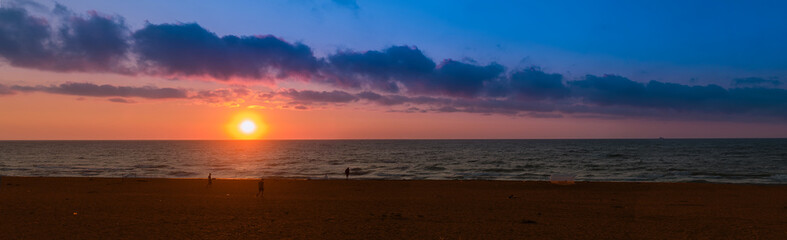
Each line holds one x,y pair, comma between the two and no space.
380,69
5,90
94,90
92,43
536,84
396,77
122,94
121,100
407,66
599,96
319,96
223,95
23,38
613,90
190,50
383,100
95,43
458,79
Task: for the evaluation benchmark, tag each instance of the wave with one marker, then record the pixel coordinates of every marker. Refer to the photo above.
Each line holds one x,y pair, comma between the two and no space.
732,161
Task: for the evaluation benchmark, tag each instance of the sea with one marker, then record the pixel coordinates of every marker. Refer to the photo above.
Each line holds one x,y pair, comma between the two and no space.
750,161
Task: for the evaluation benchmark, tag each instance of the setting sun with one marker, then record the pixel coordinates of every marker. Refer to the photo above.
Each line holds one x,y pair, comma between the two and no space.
246,125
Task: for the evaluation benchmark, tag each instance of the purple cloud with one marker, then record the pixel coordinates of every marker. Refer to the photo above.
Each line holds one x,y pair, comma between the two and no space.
397,76
380,69
223,95
190,50
5,90
613,90
93,90
23,38
600,96
407,66
121,100
319,96
94,43
536,84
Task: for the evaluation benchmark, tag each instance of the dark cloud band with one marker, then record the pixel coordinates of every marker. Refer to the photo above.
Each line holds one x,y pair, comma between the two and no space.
398,75
94,90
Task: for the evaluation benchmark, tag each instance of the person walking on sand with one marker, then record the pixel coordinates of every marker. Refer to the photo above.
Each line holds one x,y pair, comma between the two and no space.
210,179
347,173
260,187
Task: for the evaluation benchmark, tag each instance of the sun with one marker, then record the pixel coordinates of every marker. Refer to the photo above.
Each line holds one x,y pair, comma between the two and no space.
246,125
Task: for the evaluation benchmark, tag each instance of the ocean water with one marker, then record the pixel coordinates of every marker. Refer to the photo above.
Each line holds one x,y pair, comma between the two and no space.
762,161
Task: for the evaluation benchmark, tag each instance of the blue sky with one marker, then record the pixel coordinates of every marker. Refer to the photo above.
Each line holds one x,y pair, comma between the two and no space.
631,63
696,42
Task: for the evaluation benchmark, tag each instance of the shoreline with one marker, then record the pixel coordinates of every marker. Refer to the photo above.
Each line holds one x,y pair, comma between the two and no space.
383,179
85,207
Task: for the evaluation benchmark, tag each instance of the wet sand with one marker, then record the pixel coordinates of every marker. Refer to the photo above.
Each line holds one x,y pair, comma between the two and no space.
89,208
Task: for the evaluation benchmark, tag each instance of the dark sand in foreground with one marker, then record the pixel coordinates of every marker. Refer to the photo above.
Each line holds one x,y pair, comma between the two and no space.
89,208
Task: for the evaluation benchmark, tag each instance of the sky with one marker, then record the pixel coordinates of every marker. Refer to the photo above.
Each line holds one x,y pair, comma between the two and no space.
344,69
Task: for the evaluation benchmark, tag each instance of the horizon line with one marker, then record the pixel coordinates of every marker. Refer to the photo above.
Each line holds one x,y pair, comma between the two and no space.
385,139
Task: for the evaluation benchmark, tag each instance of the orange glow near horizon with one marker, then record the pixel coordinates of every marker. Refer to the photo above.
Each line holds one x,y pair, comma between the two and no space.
44,116
247,126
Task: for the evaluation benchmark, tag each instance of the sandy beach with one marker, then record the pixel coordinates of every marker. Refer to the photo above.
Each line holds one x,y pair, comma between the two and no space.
89,208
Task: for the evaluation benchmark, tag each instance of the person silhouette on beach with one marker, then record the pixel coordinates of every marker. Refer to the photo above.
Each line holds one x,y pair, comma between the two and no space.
347,173
260,187
210,179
